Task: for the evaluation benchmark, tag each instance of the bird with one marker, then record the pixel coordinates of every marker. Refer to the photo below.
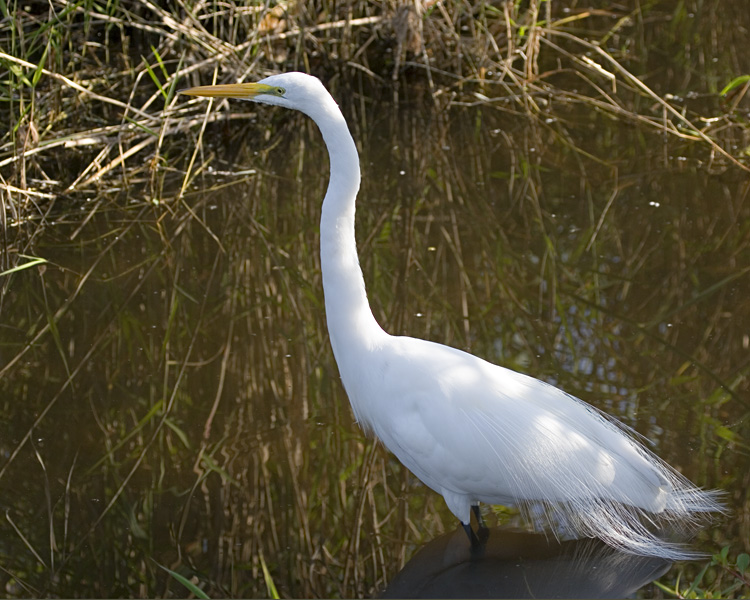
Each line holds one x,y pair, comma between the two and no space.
473,431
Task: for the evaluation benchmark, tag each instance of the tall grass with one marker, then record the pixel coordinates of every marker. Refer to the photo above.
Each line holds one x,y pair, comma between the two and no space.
90,102
168,394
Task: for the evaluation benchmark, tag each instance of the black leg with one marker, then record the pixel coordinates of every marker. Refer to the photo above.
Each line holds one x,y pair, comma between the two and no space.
473,539
483,532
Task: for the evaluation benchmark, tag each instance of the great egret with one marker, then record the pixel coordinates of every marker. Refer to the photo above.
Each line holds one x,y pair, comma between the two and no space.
473,431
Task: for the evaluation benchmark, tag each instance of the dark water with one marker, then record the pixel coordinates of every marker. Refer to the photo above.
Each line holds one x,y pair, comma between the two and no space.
169,394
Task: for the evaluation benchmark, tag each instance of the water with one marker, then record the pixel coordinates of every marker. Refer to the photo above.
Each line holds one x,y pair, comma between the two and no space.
169,394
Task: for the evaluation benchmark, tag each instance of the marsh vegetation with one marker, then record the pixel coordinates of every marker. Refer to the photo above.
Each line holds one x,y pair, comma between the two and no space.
559,189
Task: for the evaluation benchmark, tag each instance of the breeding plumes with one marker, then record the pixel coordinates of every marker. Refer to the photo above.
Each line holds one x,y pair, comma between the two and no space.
473,431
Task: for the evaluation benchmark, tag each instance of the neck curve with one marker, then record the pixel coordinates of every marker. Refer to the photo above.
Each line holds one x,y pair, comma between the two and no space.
351,324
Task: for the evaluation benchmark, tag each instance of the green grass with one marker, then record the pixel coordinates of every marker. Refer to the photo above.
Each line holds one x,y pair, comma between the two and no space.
721,577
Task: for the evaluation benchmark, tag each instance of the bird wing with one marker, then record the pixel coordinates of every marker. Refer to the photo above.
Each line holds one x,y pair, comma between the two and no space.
466,426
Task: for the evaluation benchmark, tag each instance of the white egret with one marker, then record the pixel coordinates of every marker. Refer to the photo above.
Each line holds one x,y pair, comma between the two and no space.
473,431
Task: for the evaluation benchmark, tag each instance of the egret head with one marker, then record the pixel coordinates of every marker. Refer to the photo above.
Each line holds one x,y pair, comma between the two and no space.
297,91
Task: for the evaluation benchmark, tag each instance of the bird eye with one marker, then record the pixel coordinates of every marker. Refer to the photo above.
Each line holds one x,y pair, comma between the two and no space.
280,91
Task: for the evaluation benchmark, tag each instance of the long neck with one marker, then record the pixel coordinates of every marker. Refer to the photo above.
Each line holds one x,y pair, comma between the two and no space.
350,321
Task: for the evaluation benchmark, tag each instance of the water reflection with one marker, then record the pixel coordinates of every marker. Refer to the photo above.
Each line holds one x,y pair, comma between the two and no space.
169,394
522,565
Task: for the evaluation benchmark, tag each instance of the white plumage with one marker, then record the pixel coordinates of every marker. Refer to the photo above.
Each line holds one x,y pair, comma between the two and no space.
473,431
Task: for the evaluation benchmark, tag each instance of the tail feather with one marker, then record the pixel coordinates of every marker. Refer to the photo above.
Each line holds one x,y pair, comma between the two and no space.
629,528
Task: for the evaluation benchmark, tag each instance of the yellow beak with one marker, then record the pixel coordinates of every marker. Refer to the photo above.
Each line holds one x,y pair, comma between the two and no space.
246,91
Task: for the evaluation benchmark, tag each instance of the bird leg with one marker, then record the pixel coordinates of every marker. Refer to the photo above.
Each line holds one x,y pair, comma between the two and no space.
483,532
476,544
478,539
